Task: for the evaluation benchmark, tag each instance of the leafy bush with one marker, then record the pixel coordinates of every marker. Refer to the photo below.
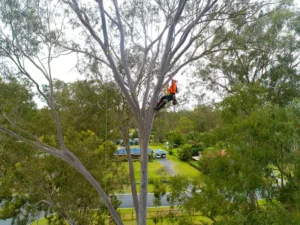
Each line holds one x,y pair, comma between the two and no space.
196,148
186,153
175,139
134,134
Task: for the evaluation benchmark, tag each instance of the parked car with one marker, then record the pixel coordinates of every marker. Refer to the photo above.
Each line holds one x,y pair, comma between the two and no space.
159,154
136,141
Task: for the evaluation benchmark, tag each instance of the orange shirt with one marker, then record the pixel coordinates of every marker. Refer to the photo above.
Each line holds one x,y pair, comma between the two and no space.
172,89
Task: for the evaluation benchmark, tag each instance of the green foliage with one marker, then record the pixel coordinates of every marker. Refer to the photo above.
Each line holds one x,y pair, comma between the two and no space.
185,153
89,105
185,125
263,51
193,137
16,101
178,186
197,148
134,134
159,190
175,139
253,135
60,187
181,220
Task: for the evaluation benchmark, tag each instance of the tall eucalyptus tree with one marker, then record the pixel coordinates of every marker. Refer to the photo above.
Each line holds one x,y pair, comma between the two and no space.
146,43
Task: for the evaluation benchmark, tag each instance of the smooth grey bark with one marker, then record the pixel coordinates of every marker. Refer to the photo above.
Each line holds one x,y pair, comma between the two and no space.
62,213
124,131
132,181
124,116
65,216
144,133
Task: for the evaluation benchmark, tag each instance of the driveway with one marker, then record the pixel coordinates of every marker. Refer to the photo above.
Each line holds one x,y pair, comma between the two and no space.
168,165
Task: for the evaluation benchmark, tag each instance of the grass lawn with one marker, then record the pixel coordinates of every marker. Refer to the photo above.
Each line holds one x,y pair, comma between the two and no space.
153,167
155,146
138,188
180,167
196,221
184,168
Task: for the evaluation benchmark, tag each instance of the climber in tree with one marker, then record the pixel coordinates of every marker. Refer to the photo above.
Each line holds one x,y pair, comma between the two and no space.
169,95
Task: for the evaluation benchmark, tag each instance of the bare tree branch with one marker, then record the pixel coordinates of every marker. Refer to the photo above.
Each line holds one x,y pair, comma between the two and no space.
111,61
122,48
192,25
47,149
109,16
148,48
85,53
24,72
192,40
150,71
170,39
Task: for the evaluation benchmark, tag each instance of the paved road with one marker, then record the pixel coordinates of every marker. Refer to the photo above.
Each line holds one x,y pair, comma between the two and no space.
128,203
5,222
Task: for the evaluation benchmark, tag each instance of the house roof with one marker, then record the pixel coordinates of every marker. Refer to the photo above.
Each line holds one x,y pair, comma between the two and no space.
197,158
133,151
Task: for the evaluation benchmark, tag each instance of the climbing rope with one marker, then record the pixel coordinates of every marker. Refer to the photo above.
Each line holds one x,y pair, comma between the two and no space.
105,150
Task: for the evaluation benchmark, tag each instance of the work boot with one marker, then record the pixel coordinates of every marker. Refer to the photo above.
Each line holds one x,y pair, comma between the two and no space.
160,101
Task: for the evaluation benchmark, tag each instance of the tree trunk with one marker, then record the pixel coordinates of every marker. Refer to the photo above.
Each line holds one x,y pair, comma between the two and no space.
64,215
252,199
143,181
281,165
132,180
145,128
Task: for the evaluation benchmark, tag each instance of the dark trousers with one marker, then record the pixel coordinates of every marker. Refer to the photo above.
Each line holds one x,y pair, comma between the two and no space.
164,100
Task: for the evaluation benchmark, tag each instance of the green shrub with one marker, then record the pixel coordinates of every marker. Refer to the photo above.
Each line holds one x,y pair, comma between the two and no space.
186,153
196,148
175,139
